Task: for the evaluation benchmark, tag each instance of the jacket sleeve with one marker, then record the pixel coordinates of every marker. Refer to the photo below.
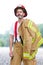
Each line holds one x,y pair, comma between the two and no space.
38,41
34,32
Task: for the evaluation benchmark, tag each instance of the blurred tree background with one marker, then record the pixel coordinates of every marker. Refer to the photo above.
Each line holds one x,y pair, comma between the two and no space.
4,39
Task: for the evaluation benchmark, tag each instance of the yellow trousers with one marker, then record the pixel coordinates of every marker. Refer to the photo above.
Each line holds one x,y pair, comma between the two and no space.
18,56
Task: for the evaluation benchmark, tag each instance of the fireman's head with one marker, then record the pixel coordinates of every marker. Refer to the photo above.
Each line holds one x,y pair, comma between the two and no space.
20,11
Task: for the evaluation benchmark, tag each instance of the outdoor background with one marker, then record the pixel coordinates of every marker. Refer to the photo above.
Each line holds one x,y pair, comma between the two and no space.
7,18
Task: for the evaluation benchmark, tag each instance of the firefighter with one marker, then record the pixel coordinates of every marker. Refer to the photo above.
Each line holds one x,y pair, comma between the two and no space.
25,38
16,53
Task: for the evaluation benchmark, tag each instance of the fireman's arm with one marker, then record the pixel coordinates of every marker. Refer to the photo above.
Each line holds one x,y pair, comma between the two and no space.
35,33
38,40
32,28
11,41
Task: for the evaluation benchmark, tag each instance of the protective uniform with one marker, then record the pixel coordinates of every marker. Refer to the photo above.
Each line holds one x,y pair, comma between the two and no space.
31,41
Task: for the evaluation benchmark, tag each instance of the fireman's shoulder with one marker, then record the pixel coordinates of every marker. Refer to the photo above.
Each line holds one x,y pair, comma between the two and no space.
26,22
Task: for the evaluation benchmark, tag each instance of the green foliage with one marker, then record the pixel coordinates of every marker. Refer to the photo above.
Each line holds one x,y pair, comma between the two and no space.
1,43
4,40
40,26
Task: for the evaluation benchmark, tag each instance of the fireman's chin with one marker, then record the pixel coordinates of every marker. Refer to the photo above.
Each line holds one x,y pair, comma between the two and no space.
20,17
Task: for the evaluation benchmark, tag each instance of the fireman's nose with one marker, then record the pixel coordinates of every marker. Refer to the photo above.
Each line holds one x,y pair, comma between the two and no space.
18,14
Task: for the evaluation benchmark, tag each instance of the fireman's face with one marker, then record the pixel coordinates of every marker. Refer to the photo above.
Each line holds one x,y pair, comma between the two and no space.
20,14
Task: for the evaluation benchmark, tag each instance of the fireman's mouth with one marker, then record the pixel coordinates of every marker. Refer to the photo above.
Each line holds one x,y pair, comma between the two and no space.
18,15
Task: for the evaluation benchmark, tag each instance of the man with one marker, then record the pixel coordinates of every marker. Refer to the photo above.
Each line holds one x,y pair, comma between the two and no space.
16,55
25,38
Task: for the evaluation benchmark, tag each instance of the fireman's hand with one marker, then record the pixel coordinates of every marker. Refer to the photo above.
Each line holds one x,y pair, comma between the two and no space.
11,53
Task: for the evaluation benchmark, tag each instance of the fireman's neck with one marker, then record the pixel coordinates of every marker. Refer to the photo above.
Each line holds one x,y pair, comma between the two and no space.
20,20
